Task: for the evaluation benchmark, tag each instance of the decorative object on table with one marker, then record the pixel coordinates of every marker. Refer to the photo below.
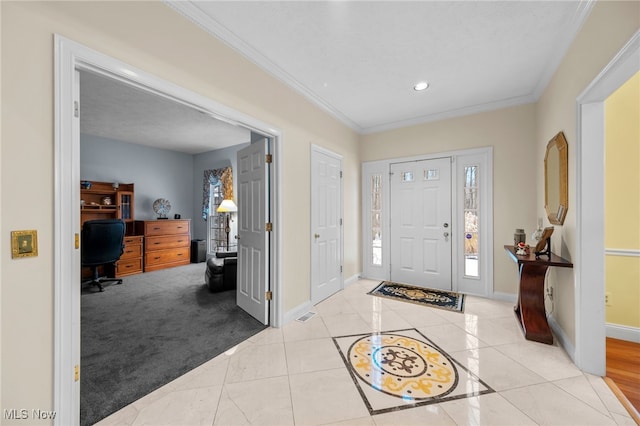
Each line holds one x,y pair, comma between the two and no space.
228,207
106,200
537,234
522,249
519,237
162,207
422,296
544,245
24,243
85,184
115,185
177,216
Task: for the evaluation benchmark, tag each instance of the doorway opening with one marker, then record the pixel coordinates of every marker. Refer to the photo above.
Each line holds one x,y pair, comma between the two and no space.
590,352
70,58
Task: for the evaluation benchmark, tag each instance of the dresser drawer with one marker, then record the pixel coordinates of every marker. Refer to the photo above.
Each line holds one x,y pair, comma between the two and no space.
128,267
166,256
167,242
165,227
131,250
133,239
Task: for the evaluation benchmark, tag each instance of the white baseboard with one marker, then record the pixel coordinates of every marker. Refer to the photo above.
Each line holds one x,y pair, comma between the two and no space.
505,297
352,279
563,339
297,312
623,332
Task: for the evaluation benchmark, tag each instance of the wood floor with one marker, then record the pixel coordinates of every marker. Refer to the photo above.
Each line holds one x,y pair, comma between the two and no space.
623,367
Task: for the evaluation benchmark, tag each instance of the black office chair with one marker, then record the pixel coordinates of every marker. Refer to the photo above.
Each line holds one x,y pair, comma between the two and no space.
102,244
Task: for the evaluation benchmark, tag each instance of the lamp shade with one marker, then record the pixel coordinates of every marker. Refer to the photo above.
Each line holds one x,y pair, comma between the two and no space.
227,206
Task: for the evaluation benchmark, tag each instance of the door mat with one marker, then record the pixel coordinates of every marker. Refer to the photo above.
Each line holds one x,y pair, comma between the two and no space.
441,299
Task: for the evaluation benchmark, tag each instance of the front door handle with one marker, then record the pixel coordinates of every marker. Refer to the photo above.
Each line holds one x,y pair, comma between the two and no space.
446,236
316,236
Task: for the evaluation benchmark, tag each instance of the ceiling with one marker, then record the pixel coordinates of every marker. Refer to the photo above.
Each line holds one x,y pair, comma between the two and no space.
116,110
359,61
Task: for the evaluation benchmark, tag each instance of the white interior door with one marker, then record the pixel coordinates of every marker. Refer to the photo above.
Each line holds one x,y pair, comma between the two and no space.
326,224
421,223
253,238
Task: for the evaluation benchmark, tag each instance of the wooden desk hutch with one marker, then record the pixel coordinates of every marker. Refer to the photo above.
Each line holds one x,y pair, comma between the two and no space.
104,200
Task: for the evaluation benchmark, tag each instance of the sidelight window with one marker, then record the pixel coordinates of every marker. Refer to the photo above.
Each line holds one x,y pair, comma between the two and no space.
376,219
471,222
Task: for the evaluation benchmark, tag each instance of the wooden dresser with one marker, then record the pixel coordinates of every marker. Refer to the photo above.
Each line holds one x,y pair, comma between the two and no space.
131,260
166,243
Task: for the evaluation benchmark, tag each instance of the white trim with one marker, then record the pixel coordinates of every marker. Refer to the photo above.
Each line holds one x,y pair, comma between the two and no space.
623,332
563,339
483,156
352,279
191,11
506,297
622,252
297,312
590,353
69,57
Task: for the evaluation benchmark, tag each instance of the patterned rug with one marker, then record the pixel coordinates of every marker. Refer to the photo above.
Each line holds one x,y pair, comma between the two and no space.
422,296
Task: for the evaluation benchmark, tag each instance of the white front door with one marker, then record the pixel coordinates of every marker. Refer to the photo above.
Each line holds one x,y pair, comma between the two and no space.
253,239
326,224
421,223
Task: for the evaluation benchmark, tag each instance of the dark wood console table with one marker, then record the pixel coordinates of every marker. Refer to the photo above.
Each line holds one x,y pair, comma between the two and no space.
529,309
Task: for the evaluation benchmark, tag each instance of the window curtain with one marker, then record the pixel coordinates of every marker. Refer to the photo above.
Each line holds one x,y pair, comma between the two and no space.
223,177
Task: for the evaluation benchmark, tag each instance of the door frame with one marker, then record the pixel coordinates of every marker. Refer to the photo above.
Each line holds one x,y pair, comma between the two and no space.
70,56
322,150
461,158
590,344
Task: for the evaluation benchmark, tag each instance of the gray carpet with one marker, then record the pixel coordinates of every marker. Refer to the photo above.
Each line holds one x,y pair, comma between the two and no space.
151,329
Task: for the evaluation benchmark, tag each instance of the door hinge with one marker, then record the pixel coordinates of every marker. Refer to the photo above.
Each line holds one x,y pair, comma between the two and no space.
340,221
340,268
77,241
269,159
268,295
269,226
76,373
340,173
76,109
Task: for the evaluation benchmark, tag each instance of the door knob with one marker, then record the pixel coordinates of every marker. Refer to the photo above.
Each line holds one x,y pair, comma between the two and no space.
446,225
446,236
316,236
237,237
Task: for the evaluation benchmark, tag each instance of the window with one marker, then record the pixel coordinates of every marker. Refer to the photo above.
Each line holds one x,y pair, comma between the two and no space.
376,219
471,216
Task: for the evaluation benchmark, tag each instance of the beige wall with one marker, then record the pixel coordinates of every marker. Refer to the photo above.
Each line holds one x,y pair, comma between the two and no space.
136,33
622,202
609,26
511,133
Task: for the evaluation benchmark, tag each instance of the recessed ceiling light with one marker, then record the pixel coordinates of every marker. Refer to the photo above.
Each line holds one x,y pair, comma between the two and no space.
421,86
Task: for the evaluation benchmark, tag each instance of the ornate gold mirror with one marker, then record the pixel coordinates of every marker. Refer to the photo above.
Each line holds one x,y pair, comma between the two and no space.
556,196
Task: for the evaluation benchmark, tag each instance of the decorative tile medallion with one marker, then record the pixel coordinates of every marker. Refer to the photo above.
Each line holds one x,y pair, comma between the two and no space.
402,369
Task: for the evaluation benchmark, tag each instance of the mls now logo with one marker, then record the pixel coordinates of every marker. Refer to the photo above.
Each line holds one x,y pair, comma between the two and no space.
23,414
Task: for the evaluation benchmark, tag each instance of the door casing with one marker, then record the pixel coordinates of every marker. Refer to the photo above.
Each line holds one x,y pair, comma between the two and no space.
70,56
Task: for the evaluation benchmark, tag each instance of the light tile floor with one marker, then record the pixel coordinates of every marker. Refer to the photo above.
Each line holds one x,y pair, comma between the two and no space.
295,374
